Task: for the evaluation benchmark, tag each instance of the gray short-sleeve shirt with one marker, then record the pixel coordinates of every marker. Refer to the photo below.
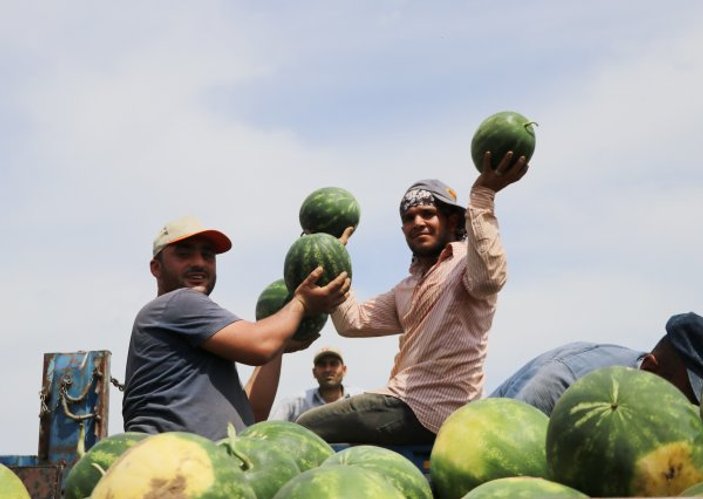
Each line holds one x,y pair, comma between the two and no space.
171,384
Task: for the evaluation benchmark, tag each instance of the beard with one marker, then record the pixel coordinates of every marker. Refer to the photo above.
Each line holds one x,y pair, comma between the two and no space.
432,251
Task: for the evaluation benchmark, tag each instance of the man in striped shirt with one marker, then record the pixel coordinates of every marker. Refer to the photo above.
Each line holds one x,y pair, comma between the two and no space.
442,311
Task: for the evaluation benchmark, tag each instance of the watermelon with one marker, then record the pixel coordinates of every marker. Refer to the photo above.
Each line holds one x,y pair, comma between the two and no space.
11,486
174,464
339,482
396,468
488,439
330,210
308,449
522,487
502,132
266,466
620,431
274,297
693,491
83,476
311,250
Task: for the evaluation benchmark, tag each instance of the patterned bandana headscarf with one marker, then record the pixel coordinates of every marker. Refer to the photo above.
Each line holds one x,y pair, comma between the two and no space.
416,197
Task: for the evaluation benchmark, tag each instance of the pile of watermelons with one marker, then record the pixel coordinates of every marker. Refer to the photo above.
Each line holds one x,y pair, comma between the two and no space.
324,215
617,432
270,459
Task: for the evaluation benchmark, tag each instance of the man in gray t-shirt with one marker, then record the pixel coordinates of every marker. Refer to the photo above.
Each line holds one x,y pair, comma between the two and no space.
181,372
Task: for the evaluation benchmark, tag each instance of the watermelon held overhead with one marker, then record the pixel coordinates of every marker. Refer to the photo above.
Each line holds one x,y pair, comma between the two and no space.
310,251
620,431
488,439
502,132
330,210
274,297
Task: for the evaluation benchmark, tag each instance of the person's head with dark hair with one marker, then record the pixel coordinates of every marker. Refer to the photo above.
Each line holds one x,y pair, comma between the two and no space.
678,356
431,218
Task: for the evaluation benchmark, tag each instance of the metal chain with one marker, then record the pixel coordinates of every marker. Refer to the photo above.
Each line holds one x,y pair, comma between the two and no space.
116,383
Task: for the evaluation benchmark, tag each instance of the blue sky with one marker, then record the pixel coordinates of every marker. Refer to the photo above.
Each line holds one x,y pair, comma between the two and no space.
117,118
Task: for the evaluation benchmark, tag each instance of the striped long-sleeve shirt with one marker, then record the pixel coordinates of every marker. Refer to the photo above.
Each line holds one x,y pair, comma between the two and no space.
443,315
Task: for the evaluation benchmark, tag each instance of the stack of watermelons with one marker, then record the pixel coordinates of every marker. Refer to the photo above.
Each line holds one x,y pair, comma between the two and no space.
617,432
324,215
270,459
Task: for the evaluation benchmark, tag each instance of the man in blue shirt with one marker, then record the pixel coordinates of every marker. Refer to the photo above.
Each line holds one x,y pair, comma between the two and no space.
677,357
181,372
329,371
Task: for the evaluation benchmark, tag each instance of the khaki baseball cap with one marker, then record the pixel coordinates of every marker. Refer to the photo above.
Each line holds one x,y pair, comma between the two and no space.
328,352
188,226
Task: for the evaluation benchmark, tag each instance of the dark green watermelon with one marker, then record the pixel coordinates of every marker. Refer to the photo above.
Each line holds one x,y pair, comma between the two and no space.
267,466
311,250
330,210
502,132
395,468
83,476
307,448
620,431
274,297
522,487
488,439
339,482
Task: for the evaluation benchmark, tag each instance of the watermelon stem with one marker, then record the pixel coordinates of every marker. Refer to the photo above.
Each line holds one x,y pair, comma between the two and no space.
232,449
530,123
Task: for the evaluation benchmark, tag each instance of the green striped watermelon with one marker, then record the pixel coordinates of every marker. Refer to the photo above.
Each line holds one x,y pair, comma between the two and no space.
274,297
308,449
174,464
83,476
330,210
395,468
488,439
620,431
11,486
311,250
522,487
266,465
502,132
339,482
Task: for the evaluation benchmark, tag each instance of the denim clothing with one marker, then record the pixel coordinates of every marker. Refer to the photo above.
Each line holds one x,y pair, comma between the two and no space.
542,380
369,418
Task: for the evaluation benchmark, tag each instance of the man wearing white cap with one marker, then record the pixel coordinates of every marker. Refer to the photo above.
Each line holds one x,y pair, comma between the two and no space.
181,372
442,311
677,357
329,371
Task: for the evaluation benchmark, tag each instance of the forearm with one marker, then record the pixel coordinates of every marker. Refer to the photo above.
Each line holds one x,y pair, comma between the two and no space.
257,343
486,260
262,387
375,317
